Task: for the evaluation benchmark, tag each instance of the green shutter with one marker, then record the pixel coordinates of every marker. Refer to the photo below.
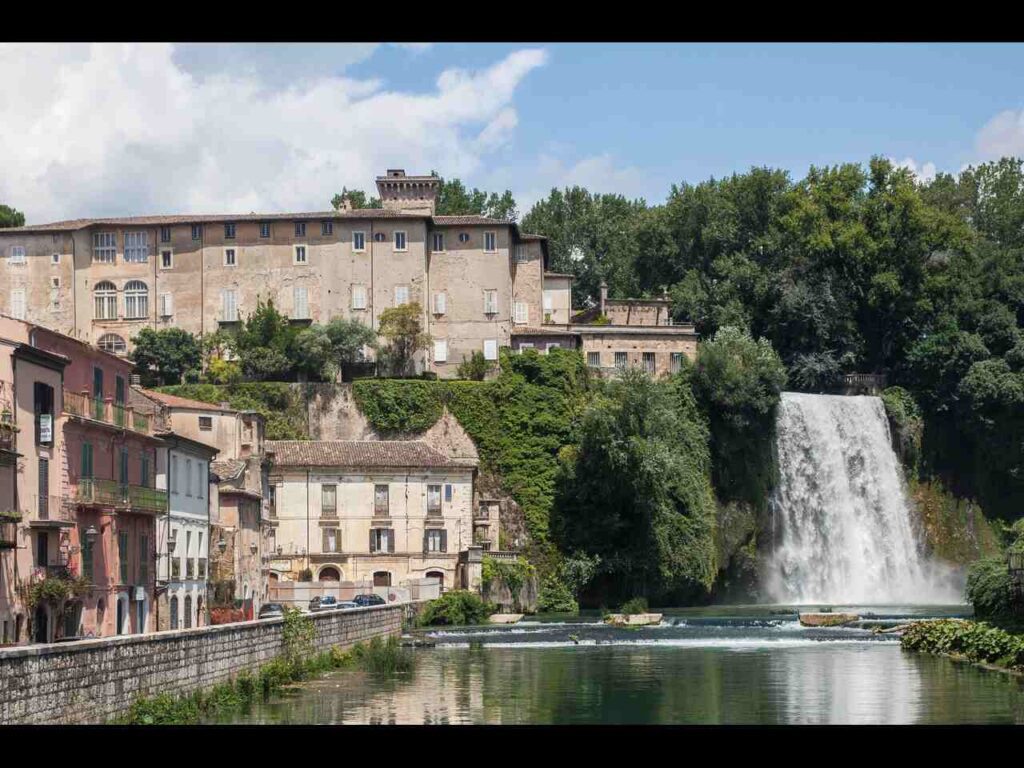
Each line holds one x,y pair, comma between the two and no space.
444,540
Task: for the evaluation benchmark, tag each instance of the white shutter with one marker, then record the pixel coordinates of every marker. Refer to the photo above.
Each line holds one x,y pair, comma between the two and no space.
522,313
439,303
401,295
490,302
490,349
548,301
229,303
17,254
18,303
441,351
301,303
166,304
358,297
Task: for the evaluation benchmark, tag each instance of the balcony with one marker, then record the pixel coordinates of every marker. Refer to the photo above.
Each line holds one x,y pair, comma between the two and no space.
381,510
329,512
107,493
8,437
8,531
80,405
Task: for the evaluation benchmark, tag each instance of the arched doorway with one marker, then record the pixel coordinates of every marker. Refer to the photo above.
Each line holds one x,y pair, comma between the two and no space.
200,616
174,612
329,573
120,616
439,575
381,579
41,633
188,611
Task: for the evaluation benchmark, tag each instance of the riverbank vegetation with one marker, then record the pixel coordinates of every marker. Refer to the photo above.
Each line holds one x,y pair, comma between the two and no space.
457,607
978,642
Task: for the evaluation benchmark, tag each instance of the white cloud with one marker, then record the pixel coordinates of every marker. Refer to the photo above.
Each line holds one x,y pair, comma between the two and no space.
126,129
924,172
597,173
415,47
1002,136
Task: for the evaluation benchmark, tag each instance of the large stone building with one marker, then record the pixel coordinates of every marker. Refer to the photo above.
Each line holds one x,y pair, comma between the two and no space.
481,282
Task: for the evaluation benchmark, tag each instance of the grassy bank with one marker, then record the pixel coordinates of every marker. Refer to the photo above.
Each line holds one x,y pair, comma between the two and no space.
380,657
975,641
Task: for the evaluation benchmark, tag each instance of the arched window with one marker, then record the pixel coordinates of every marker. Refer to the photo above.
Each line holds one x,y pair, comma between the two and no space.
106,300
136,299
174,612
379,237
112,343
188,611
329,573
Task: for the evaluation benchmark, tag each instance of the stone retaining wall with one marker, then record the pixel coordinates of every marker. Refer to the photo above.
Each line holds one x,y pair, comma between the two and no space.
94,681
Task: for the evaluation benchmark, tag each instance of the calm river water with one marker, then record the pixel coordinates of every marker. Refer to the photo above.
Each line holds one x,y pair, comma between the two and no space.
706,666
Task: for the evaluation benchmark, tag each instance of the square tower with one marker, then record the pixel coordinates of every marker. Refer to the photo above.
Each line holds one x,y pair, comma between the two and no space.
408,194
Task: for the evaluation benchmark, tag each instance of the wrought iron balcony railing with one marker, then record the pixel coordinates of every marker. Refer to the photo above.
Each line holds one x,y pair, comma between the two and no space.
124,417
111,494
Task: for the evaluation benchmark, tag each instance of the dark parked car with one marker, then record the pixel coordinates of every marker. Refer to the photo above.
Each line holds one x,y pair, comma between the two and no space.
272,611
368,599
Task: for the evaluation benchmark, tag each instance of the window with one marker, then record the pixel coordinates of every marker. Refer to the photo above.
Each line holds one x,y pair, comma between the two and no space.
55,282
272,500
43,406
188,477
400,244
55,259
435,540
205,423
197,231
264,229
358,297
144,471
490,302
122,555
490,242
104,247
136,299
675,362
358,241
382,540
594,359
229,305
200,485
123,473
166,258
433,499
112,343
448,493
18,303
300,299
551,345
326,228
86,469
136,247
548,301
521,254
522,313
165,234
17,255
87,557
143,559
166,305
229,231
490,349
380,500
230,257
649,362
438,242
621,359
401,295
379,237
440,302
105,294
463,237
175,482
328,501
525,345
331,540
440,350
300,229
300,254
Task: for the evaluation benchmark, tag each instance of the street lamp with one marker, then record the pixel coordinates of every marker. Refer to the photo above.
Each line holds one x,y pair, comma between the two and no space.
222,545
91,533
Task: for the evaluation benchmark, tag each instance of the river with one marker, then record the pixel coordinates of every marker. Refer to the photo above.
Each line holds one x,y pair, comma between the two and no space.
714,665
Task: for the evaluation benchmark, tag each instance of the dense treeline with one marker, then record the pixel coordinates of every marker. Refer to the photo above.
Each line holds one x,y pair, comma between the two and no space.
849,269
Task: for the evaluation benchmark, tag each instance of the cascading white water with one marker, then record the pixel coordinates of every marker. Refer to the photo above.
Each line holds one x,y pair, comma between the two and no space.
842,525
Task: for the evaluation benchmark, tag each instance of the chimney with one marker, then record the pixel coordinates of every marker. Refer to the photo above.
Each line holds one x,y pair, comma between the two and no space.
604,295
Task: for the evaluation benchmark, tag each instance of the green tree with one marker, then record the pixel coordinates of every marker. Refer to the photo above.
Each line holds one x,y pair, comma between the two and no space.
453,199
357,197
475,368
166,356
348,338
265,344
402,329
636,492
10,217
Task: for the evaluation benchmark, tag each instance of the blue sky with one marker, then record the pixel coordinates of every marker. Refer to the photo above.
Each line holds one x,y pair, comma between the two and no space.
235,122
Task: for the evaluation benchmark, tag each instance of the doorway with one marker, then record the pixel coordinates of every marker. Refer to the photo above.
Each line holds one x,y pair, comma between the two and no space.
439,575
382,579
41,628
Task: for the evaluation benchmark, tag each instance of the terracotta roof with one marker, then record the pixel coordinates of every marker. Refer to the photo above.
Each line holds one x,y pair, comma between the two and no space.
228,469
468,221
355,453
560,274
173,401
562,330
528,236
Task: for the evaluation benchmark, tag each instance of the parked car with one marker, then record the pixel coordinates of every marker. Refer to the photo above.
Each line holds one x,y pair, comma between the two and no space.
347,604
328,602
314,604
368,599
272,611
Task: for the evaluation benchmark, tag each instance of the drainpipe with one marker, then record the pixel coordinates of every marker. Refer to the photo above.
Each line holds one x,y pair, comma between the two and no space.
307,520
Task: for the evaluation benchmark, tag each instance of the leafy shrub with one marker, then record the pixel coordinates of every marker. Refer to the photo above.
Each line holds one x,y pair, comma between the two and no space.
457,607
398,406
513,574
978,641
385,658
475,368
988,587
555,596
634,606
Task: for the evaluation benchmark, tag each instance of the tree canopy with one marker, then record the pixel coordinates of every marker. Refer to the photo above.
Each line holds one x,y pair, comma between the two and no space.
9,217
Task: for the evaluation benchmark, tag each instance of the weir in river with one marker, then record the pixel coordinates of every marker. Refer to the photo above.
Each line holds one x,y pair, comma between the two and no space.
842,526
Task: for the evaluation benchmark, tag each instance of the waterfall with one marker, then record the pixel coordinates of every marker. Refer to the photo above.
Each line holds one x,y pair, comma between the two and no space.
842,521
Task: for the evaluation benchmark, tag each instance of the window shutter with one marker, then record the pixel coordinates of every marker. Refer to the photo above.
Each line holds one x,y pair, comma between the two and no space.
426,542
444,540
372,531
391,540
323,542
